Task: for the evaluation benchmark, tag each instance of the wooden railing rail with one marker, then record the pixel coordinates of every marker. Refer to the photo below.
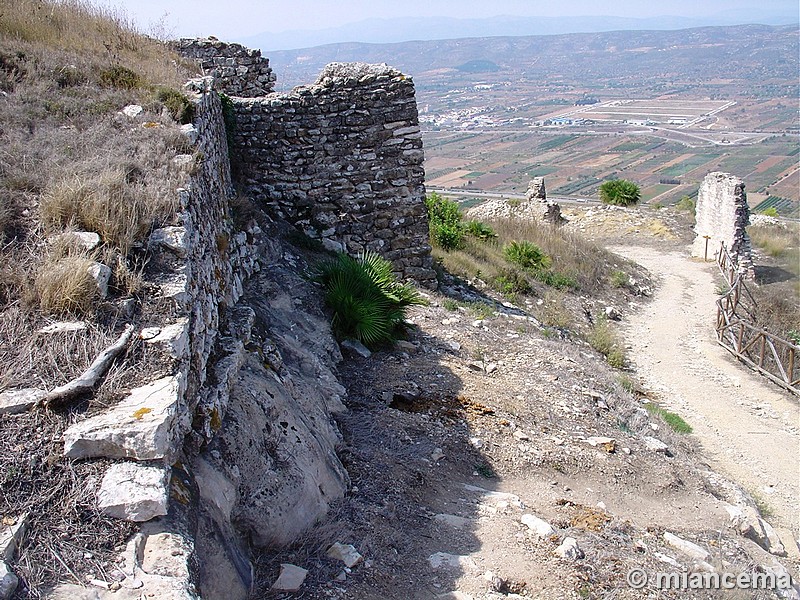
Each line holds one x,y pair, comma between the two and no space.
774,357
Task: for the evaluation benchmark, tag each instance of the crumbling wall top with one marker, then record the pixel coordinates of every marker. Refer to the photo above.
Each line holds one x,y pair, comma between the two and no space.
354,73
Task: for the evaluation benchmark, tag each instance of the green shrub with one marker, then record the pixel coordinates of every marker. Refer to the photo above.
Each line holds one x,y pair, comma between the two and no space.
619,192
675,422
179,106
229,118
121,78
554,279
510,281
619,278
686,204
602,339
367,300
447,230
770,212
480,231
526,255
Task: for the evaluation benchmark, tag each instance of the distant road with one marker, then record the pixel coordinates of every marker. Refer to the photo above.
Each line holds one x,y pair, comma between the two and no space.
460,193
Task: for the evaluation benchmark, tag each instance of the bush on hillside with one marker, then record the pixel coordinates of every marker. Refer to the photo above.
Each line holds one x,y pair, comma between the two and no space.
620,192
179,106
526,255
447,230
368,301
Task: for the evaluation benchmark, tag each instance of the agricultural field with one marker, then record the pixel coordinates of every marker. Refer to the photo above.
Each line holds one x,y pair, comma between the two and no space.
680,112
575,165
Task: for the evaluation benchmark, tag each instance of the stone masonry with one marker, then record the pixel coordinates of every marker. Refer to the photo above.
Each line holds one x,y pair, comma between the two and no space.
342,159
549,211
237,71
722,216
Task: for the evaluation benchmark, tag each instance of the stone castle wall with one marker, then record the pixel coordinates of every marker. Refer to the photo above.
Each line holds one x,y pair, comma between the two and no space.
341,159
722,215
237,71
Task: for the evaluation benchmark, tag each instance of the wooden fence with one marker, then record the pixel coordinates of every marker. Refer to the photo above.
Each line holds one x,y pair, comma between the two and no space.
774,357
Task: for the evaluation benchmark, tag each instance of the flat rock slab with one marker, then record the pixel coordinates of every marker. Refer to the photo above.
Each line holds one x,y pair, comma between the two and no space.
139,427
688,548
452,521
290,578
345,553
10,536
538,526
443,560
14,402
134,492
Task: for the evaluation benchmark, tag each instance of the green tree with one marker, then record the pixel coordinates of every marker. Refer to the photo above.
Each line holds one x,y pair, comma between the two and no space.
619,192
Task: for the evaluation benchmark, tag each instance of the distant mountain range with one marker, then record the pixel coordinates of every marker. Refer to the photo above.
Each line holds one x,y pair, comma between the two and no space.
382,31
758,54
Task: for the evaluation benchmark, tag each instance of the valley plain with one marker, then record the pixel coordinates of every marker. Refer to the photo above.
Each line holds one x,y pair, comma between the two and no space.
662,108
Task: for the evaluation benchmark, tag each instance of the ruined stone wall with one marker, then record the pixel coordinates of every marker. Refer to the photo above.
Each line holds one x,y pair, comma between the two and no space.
722,215
238,71
342,159
187,448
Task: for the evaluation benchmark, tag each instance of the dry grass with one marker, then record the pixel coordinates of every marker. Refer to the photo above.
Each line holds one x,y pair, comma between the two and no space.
776,240
571,255
603,339
59,495
66,286
108,203
553,312
106,35
573,261
778,301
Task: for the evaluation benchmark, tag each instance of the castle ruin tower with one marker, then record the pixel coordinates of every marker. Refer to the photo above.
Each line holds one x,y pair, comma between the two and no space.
722,216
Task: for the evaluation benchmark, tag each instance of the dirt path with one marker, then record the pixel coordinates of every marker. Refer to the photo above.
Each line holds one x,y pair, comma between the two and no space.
748,427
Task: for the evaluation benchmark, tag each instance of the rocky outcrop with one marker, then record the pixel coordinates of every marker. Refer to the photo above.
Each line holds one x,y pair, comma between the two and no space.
722,215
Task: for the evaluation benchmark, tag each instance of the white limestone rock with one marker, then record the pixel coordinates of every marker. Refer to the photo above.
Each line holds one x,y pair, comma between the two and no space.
750,525
655,445
538,526
569,549
84,240
101,275
345,553
452,521
173,338
166,555
132,111
13,402
290,579
139,427
173,239
134,492
356,347
688,548
10,537
191,132
63,327
443,560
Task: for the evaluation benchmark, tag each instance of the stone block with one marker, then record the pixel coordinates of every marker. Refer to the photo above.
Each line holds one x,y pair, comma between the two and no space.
134,492
139,427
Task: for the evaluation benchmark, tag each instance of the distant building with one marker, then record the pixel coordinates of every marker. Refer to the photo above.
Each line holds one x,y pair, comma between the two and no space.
678,121
561,121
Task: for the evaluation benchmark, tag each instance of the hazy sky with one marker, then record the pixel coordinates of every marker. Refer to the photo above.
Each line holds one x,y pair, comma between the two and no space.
229,19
